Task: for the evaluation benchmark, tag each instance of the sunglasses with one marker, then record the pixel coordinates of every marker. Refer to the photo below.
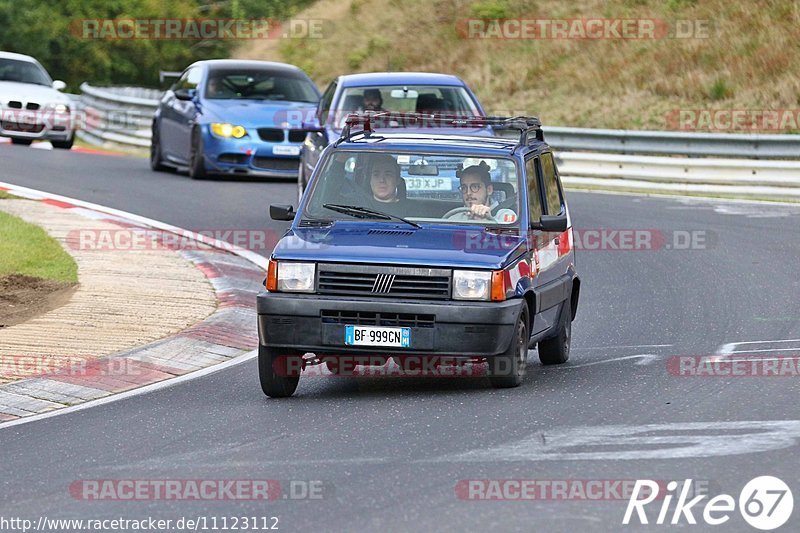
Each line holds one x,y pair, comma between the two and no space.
473,187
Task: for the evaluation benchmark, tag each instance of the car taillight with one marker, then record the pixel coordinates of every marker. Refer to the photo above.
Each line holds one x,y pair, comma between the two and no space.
272,276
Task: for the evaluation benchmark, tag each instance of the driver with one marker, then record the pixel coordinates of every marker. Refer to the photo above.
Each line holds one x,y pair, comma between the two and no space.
373,101
476,191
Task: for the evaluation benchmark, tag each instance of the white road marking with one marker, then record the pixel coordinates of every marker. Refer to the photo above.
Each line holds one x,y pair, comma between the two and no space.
134,392
625,346
726,350
644,359
650,441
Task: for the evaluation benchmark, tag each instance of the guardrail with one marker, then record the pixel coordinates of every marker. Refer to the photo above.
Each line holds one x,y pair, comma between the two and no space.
671,142
118,115
589,158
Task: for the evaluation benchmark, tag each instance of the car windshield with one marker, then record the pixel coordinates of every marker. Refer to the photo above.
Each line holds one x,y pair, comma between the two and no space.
259,84
23,72
406,99
420,187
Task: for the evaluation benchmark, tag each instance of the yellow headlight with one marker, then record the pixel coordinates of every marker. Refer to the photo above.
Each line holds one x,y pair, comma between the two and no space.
228,130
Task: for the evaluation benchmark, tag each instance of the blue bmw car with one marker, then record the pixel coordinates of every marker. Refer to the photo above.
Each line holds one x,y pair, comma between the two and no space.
234,118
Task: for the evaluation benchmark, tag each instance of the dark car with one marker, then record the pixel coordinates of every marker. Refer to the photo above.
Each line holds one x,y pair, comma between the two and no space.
231,117
365,269
403,92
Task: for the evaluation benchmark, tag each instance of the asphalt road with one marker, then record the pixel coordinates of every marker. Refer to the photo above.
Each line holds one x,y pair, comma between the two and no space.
390,452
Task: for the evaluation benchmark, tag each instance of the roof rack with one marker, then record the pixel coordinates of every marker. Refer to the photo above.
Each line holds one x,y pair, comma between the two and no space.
371,120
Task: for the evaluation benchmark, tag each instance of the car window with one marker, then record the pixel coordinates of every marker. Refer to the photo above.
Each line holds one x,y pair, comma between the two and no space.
406,99
23,72
424,187
189,79
534,192
259,84
550,184
325,102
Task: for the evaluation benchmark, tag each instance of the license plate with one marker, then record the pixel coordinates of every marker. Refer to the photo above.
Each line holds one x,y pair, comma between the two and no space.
428,184
286,150
377,336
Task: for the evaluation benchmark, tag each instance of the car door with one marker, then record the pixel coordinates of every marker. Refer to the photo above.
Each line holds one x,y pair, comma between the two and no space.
552,249
178,117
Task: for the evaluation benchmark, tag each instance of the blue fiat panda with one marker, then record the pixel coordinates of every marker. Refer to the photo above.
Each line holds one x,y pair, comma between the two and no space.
478,264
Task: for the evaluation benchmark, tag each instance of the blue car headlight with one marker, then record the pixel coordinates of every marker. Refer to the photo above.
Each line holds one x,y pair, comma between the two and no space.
225,130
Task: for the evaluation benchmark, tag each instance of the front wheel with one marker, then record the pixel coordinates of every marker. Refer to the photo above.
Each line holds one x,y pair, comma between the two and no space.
197,164
555,350
64,145
508,369
155,151
278,371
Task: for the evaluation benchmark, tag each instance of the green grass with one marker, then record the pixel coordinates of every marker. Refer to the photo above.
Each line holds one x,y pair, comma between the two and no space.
5,196
27,249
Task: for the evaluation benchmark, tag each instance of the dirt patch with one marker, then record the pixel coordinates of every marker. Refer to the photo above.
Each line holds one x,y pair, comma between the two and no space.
25,297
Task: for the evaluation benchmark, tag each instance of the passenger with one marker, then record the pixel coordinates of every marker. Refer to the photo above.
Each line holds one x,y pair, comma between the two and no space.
476,191
384,179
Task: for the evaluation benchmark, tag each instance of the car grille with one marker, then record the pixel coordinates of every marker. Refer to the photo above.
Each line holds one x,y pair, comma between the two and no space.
27,128
297,136
361,318
16,104
365,280
275,163
274,135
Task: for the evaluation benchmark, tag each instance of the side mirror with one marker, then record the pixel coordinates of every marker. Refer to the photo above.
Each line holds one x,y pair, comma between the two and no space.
281,212
59,85
184,94
555,223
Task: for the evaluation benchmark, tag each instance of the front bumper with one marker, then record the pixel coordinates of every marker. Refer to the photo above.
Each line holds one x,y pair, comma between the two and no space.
459,329
251,157
37,126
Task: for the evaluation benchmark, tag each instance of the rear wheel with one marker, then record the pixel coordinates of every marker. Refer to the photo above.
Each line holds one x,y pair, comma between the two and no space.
23,142
278,371
555,350
508,369
64,145
197,164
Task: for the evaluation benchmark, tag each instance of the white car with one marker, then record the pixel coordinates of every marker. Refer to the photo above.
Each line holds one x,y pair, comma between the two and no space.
31,104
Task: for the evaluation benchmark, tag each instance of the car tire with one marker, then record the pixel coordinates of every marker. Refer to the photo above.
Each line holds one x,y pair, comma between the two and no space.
23,142
278,371
155,152
555,350
508,369
197,165
64,145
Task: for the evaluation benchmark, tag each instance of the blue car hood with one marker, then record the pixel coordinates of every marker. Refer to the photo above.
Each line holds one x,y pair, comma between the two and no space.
453,246
259,113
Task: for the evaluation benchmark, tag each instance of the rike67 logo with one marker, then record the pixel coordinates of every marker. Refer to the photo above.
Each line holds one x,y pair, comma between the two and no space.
765,503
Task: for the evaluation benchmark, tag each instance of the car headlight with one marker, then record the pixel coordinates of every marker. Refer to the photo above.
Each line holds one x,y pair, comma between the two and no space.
60,108
471,285
296,277
223,129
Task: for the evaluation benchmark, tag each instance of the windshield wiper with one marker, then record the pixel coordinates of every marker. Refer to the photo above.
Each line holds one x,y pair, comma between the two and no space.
363,212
